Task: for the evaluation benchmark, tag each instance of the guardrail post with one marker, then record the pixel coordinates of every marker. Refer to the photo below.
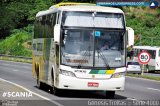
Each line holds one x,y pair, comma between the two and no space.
142,69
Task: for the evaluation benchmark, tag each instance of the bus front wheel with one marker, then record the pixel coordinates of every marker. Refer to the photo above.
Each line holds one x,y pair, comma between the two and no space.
39,84
55,91
110,94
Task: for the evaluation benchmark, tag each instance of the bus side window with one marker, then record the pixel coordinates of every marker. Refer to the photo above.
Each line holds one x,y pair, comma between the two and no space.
135,52
154,54
151,53
43,27
57,54
46,27
39,28
53,21
139,50
49,27
58,17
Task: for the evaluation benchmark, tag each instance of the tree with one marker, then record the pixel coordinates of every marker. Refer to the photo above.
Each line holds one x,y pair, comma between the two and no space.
19,13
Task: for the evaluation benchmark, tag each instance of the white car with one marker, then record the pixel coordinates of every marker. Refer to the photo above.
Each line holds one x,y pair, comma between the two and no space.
133,67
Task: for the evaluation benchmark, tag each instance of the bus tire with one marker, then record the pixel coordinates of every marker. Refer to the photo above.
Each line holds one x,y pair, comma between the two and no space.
39,84
55,91
110,94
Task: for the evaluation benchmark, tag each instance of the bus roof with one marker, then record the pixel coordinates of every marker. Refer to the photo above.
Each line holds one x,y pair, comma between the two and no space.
147,47
70,4
81,8
41,13
91,8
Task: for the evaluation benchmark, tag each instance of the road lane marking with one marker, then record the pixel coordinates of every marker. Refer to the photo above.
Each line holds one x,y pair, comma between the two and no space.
154,89
58,104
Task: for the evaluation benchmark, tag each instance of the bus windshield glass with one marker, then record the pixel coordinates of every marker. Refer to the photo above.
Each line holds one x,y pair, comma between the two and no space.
93,19
93,47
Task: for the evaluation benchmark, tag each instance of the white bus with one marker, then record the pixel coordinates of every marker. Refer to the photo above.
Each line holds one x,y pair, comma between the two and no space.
67,50
154,51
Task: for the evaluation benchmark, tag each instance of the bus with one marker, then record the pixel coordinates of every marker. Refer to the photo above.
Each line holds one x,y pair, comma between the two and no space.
67,52
154,51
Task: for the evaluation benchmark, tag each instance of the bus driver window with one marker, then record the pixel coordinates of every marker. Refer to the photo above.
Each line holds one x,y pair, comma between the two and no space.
105,46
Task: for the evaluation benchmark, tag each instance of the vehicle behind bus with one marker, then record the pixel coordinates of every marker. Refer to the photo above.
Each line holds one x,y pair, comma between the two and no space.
154,51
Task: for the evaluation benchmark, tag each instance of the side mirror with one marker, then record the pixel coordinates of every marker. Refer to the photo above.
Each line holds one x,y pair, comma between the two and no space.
57,30
130,36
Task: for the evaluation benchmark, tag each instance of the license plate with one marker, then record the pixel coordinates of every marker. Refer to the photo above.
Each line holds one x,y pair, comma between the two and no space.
93,84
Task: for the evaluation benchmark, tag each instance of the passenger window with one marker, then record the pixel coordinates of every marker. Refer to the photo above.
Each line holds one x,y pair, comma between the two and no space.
58,18
57,55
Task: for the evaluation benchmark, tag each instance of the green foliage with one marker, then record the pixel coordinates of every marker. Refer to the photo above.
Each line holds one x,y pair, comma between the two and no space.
146,23
39,5
19,13
13,45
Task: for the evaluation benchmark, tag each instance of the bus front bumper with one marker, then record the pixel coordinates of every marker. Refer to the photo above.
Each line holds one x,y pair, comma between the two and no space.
73,83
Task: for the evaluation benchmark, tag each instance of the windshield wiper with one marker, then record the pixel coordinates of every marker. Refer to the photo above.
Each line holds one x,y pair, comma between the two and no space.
103,57
84,57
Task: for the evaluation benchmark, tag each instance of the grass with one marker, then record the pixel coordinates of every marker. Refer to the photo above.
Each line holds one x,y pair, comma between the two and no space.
144,76
17,44
145,22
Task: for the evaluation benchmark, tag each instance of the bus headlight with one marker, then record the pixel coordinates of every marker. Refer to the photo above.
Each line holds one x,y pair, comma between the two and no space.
67,73
118,75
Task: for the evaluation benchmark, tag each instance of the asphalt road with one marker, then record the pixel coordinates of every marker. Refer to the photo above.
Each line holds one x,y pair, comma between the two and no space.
136,89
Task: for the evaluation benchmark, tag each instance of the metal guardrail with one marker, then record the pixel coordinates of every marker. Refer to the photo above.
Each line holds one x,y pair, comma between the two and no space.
15,58
29,58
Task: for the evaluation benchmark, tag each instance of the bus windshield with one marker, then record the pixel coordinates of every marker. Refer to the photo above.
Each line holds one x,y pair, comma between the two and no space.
93,19
93,47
